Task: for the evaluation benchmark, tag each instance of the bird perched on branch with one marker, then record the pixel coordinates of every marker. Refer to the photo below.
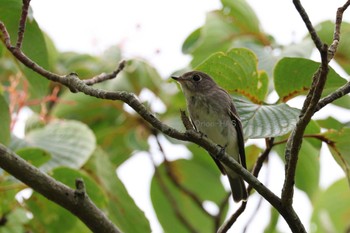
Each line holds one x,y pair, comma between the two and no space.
213,113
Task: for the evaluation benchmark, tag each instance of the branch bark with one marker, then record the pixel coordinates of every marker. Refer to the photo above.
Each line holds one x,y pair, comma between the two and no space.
76,201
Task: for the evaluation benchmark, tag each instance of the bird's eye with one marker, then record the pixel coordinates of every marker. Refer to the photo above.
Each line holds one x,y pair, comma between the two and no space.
196,77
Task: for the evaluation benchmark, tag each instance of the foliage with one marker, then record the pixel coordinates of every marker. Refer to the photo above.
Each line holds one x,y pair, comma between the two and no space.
73,135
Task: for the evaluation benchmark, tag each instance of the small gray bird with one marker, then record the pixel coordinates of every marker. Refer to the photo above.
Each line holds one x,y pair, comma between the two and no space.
213,113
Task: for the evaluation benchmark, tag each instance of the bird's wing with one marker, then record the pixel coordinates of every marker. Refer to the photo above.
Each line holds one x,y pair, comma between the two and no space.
240,139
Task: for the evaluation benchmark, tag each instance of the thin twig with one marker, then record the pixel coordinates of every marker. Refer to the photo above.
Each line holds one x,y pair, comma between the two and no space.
261,159
219,218
171,199
22,23
103,77
255,172
339,20
227,225
310,27
174,179
340,92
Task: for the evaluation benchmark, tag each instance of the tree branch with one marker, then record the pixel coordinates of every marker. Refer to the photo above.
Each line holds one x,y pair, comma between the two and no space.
227,225
75,201
76,85
345,89
103,77
308,24
295,139
311,103
169,171
171,199
340,92
22,23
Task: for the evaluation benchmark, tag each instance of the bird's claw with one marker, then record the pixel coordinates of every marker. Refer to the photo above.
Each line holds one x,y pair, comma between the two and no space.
222,150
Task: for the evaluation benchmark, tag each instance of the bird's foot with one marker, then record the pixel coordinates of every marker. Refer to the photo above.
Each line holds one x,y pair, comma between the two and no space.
202,134
222,151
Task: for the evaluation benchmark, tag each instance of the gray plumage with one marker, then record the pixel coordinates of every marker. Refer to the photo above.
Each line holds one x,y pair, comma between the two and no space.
213,113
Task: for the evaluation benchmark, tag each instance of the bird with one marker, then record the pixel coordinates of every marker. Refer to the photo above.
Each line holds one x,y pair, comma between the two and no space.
213,113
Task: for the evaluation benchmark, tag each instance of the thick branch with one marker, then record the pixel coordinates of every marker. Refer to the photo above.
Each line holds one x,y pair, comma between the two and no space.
76,201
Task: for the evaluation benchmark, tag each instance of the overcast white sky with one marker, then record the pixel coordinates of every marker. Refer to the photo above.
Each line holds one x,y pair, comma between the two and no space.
155,30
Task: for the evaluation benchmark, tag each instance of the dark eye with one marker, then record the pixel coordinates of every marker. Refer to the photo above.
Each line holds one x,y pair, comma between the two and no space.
196,77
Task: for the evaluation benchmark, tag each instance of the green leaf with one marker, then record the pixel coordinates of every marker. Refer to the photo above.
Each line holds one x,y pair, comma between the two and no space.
268,57
5,121
332,209
293,77
262,121
330,123
109,122
195,177
242,15
325,31
34,122
235,21
191,41
34,45
236,71
213,37
34,156
48,216
70,143
340,148
121,208
252,153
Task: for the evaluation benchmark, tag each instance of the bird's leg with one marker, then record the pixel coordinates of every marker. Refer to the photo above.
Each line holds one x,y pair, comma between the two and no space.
222,150
202,134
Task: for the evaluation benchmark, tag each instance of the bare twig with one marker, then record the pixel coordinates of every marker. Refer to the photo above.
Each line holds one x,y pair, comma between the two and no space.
339,19
255,172
260,161
181,187
171,199
340,92
317,41
103,77
219,218
22,23
227,225
79,205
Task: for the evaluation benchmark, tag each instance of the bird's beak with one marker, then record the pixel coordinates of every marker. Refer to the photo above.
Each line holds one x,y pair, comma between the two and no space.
175,78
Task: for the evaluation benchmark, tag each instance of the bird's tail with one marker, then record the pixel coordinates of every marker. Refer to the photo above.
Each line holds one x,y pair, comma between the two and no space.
239,191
